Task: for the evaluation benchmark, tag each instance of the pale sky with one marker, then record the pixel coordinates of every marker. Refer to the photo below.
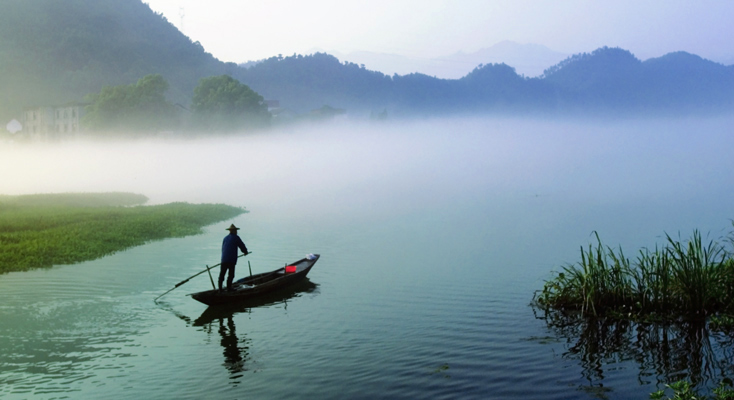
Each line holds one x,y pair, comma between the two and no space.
244,30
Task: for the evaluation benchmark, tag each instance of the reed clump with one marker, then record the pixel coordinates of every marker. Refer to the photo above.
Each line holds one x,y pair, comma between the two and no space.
681,280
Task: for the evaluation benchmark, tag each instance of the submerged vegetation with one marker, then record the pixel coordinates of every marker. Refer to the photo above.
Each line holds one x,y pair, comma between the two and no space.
690,280
44,230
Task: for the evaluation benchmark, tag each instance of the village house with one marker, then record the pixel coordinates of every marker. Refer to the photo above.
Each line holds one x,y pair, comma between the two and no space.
52,122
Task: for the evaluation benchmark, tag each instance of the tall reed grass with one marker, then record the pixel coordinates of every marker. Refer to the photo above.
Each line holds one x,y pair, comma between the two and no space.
687,279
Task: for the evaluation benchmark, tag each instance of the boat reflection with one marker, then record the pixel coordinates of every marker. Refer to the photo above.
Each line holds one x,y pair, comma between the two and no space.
665,353
282,296
236,347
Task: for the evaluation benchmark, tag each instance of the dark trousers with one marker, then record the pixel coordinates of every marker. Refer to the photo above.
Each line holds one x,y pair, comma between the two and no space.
223,270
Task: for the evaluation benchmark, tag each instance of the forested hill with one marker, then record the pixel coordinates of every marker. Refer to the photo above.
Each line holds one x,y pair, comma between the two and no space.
54,52
606,80
614,79
301,82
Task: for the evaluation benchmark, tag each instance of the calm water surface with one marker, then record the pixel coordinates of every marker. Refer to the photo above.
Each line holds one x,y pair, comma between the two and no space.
433,235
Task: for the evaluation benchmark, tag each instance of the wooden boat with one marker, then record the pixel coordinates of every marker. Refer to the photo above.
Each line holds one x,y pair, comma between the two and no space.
259,284
281,297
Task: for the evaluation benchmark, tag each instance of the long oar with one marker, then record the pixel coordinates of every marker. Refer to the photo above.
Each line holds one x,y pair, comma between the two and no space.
193,276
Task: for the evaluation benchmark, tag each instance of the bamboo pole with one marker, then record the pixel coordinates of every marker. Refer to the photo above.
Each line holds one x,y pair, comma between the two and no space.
193,276
210,277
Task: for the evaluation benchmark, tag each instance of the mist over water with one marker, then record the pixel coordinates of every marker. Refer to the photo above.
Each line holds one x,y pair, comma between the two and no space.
374,169
433,233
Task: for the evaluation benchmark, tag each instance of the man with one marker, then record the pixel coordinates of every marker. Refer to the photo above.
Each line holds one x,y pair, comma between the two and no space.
229,255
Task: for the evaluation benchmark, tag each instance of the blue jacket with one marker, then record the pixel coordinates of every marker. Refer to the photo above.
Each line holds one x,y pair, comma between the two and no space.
229,248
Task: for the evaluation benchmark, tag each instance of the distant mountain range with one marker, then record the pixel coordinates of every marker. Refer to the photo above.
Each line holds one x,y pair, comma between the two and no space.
55,52
529,60
607,80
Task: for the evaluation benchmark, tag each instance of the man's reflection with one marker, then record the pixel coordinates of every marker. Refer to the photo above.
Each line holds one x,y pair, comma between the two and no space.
234,354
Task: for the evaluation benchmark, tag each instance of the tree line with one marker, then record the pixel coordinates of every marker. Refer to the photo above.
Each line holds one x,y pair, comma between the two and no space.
219,103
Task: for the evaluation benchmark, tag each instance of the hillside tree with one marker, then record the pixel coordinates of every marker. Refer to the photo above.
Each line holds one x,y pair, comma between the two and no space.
141,107
224,103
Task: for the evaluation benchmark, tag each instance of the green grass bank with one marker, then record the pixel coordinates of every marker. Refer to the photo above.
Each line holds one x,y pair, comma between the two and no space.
38,231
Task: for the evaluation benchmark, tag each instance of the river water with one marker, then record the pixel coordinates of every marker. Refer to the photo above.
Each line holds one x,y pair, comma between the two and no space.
434,234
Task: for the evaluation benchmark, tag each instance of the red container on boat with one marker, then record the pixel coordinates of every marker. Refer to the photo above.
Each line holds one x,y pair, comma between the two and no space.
289,269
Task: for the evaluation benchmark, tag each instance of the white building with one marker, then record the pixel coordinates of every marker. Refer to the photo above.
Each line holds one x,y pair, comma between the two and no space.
52,122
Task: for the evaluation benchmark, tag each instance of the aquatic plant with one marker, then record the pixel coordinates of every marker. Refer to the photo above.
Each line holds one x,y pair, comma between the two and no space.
680,280
657,308
38,231
682,391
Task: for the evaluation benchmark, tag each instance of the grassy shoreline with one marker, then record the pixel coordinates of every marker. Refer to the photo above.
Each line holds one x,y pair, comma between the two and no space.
39,231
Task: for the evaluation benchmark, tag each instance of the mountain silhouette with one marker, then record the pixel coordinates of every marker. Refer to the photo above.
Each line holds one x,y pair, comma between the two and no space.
55,52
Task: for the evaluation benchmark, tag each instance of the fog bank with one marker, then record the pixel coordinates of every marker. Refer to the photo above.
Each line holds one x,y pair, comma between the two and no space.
343,169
